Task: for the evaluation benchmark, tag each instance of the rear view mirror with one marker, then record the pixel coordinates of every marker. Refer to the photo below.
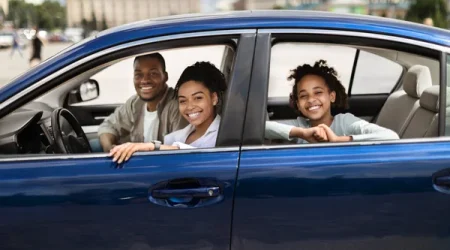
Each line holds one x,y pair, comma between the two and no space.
86,91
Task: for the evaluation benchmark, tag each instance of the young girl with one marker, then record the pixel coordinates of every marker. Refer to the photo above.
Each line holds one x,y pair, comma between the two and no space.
315,92
199,91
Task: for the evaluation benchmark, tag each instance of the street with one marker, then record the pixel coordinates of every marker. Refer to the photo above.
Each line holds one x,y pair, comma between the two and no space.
16,65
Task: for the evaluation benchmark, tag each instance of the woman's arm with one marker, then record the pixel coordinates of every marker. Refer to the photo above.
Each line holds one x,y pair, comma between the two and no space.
124,151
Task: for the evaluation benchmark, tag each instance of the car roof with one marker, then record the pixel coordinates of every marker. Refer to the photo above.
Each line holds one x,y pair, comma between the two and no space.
267,19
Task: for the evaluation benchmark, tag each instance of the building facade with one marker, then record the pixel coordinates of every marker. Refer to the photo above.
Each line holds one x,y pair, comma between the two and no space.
4,6
118,12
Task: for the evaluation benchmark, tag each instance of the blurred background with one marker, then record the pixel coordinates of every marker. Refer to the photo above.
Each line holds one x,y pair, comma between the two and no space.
60,23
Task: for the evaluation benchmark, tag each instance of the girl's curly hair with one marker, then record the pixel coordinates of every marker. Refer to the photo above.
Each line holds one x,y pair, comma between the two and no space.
329,74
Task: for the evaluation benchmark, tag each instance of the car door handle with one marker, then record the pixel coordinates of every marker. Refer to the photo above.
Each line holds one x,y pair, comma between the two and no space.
201,192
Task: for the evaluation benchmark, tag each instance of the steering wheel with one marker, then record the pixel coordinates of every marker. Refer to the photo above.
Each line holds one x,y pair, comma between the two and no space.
67,132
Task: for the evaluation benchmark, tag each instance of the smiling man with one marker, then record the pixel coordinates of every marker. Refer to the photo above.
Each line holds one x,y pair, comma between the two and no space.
150,114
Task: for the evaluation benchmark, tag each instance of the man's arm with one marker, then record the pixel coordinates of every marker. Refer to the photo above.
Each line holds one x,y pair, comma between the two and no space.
117,125
108,141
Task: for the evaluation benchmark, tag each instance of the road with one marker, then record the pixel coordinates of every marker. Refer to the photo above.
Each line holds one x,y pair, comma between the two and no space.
17,65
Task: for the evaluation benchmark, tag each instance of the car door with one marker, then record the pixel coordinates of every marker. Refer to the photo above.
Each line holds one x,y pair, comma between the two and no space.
178,199
366,195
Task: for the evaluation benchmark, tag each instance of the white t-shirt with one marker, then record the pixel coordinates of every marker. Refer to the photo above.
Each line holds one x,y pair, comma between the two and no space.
150,122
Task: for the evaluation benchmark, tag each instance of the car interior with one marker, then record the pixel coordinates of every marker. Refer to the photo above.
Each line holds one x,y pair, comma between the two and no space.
65,118
410,108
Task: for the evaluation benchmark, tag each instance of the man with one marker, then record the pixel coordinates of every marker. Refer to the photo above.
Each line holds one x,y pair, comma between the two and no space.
148,115
36,49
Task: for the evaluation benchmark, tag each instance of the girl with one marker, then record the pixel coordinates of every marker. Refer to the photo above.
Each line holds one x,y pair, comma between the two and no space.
315,92
199,91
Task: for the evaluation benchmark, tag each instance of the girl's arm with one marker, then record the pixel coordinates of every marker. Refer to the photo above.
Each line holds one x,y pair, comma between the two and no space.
361,130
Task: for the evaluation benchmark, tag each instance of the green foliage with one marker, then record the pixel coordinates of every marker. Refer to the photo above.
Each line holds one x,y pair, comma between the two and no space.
93,24
49,15
278,7
436,9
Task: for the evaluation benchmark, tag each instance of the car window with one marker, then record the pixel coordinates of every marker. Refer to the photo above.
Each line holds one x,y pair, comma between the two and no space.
447,110
367,80
117,88
375,74
287,56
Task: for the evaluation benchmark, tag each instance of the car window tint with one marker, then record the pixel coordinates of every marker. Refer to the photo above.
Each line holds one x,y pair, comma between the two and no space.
375,74
117,88
287,56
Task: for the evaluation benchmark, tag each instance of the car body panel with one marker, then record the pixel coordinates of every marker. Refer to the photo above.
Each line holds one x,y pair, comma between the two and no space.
91,203
342,197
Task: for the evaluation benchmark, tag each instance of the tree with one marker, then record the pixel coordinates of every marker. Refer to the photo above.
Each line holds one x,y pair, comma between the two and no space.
435,9
48,15
277,7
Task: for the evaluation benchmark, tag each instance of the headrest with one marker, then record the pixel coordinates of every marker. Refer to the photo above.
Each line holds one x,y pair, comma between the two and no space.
417,79
430,99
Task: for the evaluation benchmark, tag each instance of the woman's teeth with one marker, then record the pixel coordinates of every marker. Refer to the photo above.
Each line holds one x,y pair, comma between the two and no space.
313,108
146,88
193,115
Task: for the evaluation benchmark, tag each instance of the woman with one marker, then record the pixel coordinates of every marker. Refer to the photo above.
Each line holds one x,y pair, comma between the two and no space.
199,92
316,90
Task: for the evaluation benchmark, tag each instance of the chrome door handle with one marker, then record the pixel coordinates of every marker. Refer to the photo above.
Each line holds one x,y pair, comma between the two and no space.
202,192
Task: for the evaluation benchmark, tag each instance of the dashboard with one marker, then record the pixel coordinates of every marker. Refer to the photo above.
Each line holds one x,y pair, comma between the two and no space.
27,131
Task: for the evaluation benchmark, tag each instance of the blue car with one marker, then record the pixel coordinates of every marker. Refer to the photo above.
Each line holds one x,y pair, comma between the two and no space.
248,192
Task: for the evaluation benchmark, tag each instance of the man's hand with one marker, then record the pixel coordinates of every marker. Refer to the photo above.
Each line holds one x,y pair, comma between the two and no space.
123,152
332,137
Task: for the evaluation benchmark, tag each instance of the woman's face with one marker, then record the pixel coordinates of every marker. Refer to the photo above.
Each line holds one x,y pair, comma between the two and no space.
196,103
314,97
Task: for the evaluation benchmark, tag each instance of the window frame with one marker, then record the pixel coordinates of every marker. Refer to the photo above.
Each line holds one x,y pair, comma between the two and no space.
253,141
238,85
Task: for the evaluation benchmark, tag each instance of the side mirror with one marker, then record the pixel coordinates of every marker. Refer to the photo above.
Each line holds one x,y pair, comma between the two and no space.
86,91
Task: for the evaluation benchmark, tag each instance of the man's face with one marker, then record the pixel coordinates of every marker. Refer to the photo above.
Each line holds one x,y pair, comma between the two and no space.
149,79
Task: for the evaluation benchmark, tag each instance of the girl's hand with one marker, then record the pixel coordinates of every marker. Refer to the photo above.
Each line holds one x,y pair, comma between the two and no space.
123,152
314,134
332,137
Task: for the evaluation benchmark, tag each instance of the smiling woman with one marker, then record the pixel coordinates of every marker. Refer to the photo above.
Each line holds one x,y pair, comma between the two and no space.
199,91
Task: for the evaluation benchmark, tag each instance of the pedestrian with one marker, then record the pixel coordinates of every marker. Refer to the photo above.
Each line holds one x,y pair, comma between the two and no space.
36,49
16,45
428,21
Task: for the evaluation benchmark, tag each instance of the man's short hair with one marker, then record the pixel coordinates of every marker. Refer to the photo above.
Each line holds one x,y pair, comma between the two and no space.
157,56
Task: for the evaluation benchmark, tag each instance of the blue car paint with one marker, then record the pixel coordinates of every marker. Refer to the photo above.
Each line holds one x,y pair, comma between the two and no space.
347,197
238,20
90,204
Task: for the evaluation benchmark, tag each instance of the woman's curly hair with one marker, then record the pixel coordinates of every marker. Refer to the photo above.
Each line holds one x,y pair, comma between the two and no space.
329,74
206,73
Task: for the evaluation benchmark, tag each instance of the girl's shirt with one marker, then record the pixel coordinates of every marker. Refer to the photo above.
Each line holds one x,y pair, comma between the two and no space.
343,125
207,140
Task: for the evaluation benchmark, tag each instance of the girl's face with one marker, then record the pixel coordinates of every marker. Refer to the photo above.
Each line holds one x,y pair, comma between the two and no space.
196,103
314,97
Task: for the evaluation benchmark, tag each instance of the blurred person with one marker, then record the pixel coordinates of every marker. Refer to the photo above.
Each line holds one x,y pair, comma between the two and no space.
36,49
16,45
428,21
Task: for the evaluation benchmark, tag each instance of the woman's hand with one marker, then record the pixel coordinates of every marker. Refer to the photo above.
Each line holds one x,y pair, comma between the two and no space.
123,152
332,137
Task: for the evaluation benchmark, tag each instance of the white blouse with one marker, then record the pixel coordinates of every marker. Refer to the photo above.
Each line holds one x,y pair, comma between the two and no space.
208,140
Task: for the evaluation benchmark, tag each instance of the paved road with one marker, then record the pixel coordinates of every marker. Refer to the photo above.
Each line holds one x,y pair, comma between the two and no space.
16,65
